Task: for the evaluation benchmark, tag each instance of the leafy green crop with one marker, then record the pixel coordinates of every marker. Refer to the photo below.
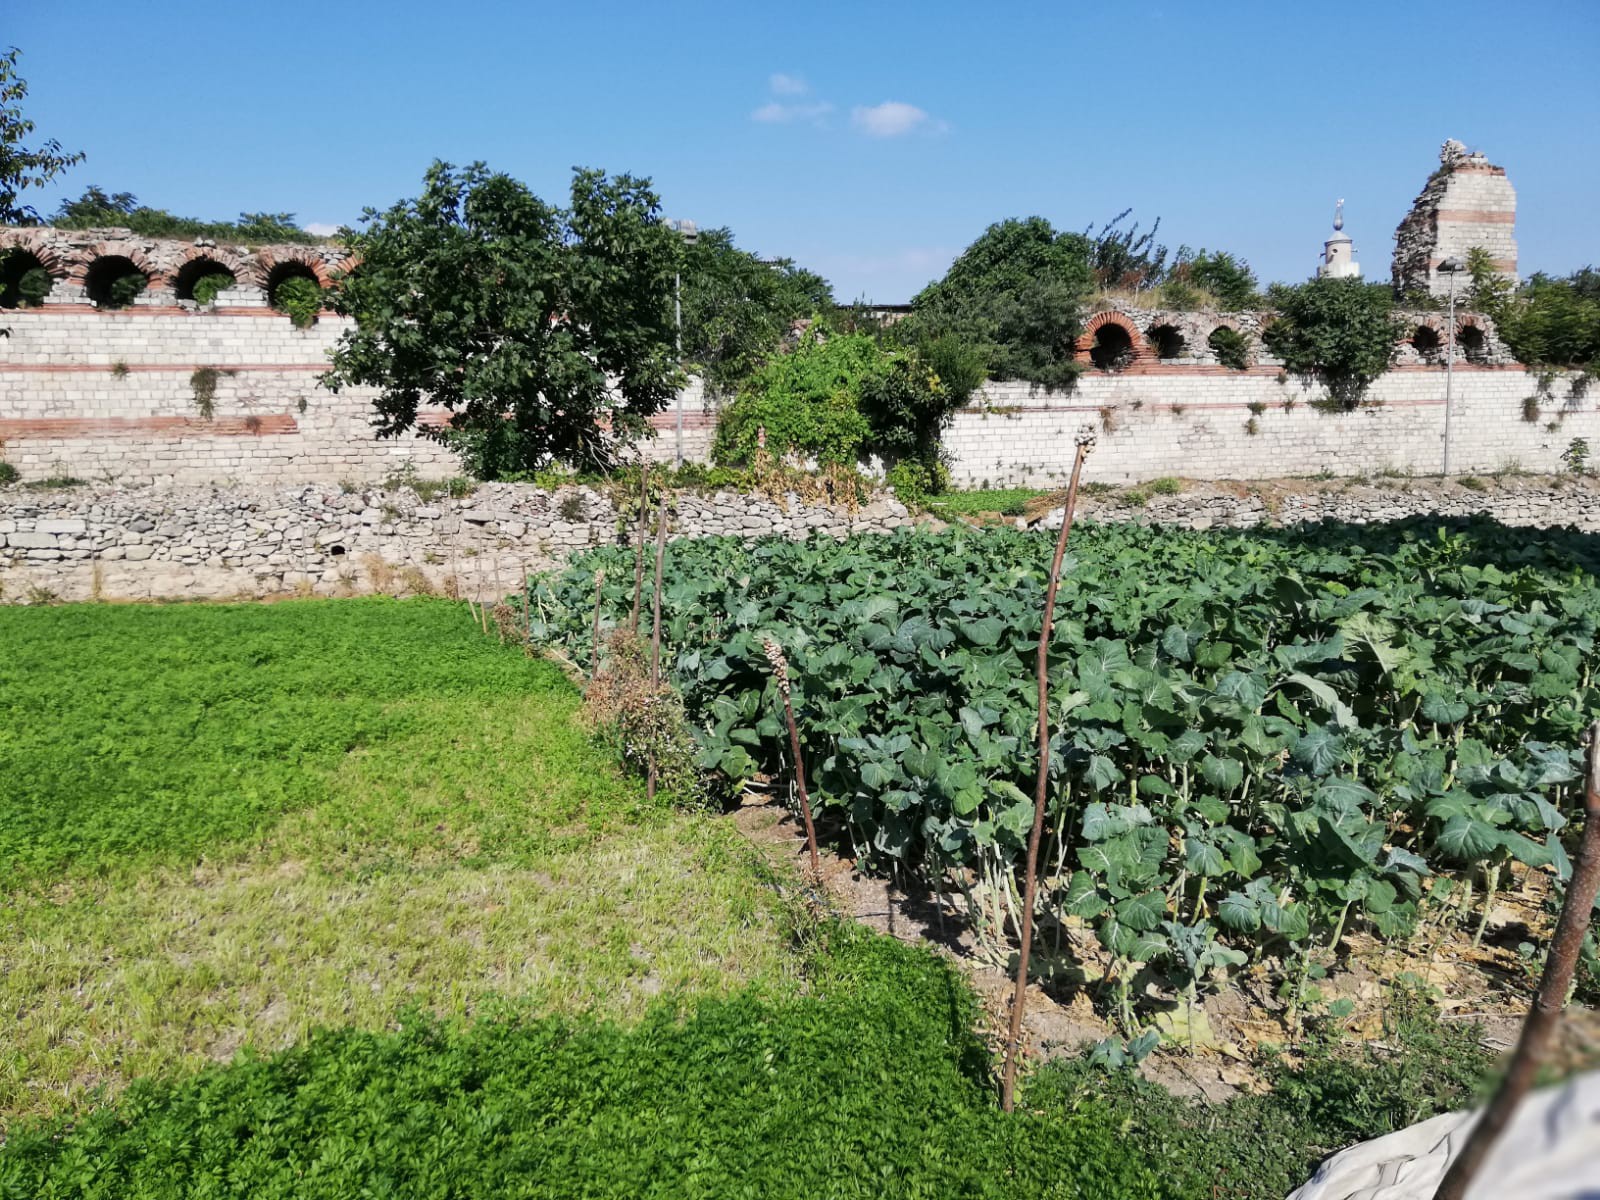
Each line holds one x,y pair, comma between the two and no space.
1262,741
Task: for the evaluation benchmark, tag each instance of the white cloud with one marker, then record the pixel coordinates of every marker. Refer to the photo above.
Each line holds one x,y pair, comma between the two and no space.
321,229
892,118
788,85
774,113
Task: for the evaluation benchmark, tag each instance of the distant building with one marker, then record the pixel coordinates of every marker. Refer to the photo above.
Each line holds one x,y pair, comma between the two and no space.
1339,252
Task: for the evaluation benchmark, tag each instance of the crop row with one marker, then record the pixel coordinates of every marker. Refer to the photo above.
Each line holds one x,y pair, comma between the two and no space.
1260,741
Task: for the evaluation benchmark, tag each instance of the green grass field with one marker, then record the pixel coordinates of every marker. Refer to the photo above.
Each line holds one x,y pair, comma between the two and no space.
226,826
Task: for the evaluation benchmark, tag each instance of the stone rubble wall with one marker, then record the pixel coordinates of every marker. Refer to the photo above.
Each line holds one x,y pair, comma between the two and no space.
217,543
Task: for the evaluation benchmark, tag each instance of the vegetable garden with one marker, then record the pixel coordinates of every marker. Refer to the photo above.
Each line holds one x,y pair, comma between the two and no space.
1262,743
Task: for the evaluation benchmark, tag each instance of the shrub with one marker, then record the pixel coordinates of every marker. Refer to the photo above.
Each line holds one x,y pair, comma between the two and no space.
8,474
915,482
203,383
24,283
1340,329
300,298
1165,486
1230,346
207,286
33,286
125,289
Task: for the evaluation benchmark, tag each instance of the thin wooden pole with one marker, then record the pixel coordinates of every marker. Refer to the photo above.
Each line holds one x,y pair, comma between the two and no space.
780,674
1540,1024
638,550
1008,1087
594,637
655,632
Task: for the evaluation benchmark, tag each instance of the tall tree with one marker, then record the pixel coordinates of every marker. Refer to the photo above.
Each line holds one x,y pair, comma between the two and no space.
1343,330
1016,294
546,332
20,167
737,308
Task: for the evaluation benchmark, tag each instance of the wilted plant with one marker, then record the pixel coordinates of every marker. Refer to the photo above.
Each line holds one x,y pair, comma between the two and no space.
780,677
644,720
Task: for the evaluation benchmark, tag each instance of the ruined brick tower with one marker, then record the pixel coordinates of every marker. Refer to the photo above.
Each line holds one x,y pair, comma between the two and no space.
1467,202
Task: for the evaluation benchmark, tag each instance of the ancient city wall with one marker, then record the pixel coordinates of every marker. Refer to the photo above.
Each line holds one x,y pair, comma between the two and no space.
111,396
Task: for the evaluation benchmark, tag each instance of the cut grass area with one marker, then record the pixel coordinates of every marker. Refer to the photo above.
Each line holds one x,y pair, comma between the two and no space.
226,826
869,1085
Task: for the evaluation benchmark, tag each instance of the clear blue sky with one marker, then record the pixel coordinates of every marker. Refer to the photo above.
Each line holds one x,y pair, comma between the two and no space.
870,142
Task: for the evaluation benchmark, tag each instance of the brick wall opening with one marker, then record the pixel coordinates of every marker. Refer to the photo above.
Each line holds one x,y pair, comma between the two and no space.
282,272
112,281
1425,340
1113,347
1167,339
1474,347
196,269
24,279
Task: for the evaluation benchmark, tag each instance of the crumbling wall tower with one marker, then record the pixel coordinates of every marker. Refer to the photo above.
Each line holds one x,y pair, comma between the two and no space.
1468,202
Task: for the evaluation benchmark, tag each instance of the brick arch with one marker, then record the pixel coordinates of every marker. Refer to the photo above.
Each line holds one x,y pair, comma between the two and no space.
267,260
79,264
1474,348
243,269
38,246
1085,343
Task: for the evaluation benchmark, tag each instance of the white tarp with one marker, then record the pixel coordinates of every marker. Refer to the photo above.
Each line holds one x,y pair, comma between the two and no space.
1550,1151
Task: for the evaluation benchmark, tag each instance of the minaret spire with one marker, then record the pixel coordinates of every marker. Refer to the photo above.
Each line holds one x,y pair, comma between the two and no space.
1338,215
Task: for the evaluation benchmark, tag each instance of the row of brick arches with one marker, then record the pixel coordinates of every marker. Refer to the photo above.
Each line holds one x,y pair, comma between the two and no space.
1112,341
110,274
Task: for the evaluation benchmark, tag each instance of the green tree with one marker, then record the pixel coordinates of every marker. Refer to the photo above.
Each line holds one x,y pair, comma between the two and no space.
97,207
547,332
1547,322
1341,329
1227,278
1016,296
737,308
20,167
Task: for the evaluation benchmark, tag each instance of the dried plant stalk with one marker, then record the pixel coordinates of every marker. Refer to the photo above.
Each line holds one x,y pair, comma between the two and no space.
594,637
780,675
1008,1086
655,629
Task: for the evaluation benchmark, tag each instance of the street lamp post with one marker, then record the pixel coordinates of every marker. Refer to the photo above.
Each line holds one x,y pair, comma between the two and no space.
1451,267
690,234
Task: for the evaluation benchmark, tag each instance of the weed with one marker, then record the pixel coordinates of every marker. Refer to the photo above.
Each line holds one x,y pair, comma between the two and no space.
8,473
119,370
1165,486
571,507
1252,426
1257,408
1530,409
1472,483
203,384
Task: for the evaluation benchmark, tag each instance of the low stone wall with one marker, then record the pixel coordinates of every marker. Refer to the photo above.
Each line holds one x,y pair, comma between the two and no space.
206,543
1533,501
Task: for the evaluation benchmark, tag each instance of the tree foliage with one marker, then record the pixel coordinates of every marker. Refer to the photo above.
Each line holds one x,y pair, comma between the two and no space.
1227,278
1340,329
546,332
737,308
1548,321
98,208
22,167
1124,259
1016,297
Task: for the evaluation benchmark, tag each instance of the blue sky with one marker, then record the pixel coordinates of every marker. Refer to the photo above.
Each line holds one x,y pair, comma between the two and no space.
870,142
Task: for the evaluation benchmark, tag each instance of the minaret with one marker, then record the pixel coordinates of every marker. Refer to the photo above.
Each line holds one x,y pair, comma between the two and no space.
1339,252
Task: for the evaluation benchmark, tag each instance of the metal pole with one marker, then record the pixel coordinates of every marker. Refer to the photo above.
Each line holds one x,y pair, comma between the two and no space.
677,316
1449,371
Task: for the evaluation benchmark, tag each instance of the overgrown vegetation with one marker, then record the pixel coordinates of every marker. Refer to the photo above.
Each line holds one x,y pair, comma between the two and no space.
23,282
300,298
203,385
207,286
1341,330
1546,322
835,400
1257,759
1262,1147
1231,347
97,208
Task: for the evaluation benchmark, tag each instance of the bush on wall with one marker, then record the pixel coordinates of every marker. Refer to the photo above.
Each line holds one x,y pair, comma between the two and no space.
1342,330
207,286
300,298
1230,346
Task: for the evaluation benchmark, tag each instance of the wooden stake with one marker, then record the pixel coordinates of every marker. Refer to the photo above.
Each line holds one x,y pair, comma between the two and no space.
780,674
655,632
594,648
1008,1086
638,550
1540,1024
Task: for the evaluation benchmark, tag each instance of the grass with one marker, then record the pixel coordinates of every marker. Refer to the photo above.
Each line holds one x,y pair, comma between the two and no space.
1007,502
225,826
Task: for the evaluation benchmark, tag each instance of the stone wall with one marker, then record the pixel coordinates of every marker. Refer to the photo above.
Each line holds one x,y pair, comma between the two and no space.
1212,423
212,543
